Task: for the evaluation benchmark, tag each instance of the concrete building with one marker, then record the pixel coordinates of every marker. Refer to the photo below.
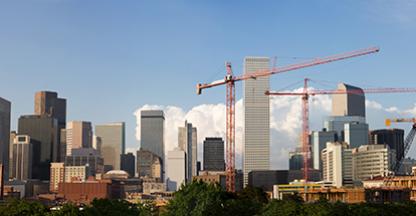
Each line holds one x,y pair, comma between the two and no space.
49,104
296,159
214,154
13,135
85,192
128,164
152,128
43,132
337,164
22,158
356,134
5,110
212,177
318,143
61,173
187,140
78,135
96,143
176,174
62,145
372,160
266,179
148,165
86,157
256,118
113,144
351,104
394,138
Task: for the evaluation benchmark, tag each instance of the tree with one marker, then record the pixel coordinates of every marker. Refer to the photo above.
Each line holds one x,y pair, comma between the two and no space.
248,202
23,208
101,207
197,199
66,210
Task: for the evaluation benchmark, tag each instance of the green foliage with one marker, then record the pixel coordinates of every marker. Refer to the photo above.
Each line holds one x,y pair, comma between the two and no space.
66,210
23,208
248,202
103,207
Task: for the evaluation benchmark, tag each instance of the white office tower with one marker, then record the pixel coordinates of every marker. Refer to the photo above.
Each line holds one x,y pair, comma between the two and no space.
176,174
256,136
351,104
337,164
187,140
372,160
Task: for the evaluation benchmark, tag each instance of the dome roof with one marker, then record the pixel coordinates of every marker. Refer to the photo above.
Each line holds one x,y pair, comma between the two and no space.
117,172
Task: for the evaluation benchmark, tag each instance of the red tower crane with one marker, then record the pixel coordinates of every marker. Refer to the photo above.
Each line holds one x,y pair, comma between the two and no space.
230,81
305,94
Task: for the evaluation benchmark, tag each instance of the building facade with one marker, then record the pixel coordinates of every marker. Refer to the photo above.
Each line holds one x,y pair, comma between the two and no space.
337,124
49,104
152,128
148,165
86,157
43,131
5,110
337,164
356,134
394,138
61,174
372,160
318,142
22,158
256,137
176,175
78,135
187,140
351,104
112,144
128,164
214,154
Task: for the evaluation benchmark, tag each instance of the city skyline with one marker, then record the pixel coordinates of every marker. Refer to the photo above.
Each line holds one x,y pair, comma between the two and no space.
126,75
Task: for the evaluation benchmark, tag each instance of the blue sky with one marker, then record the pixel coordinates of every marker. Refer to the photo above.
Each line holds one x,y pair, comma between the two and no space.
108,58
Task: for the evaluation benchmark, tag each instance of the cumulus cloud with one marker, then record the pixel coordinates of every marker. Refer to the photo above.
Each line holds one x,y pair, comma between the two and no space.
285,123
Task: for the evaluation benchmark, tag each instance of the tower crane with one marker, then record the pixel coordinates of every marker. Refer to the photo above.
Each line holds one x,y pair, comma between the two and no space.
306,93
230,81
407,143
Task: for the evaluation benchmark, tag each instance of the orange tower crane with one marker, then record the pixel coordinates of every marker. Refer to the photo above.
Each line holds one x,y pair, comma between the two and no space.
305,94
230,81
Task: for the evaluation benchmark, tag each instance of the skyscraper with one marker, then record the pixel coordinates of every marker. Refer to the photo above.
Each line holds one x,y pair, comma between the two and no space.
351,104
22,158
214,154
394,138
78,135
187,140
337,163
148,164
176,174
256,118
152,127
356,134
47,103
127,163
318,142
43,132
112,144
337,124
5,109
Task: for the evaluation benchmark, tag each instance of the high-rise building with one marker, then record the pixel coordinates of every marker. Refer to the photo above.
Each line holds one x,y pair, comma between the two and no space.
22,158
112,144
62,145
78,135
256,118
86,157
337,123
176,173
394,138
266,179
5,109
96,143
61,173
13,135
127,163
47,103
372,160
318,142
351,104
148,165
43,132
187,139
356,134
214,154
337,164
296,159
152,127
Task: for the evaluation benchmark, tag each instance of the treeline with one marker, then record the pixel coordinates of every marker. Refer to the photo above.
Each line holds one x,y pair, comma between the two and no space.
199,199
